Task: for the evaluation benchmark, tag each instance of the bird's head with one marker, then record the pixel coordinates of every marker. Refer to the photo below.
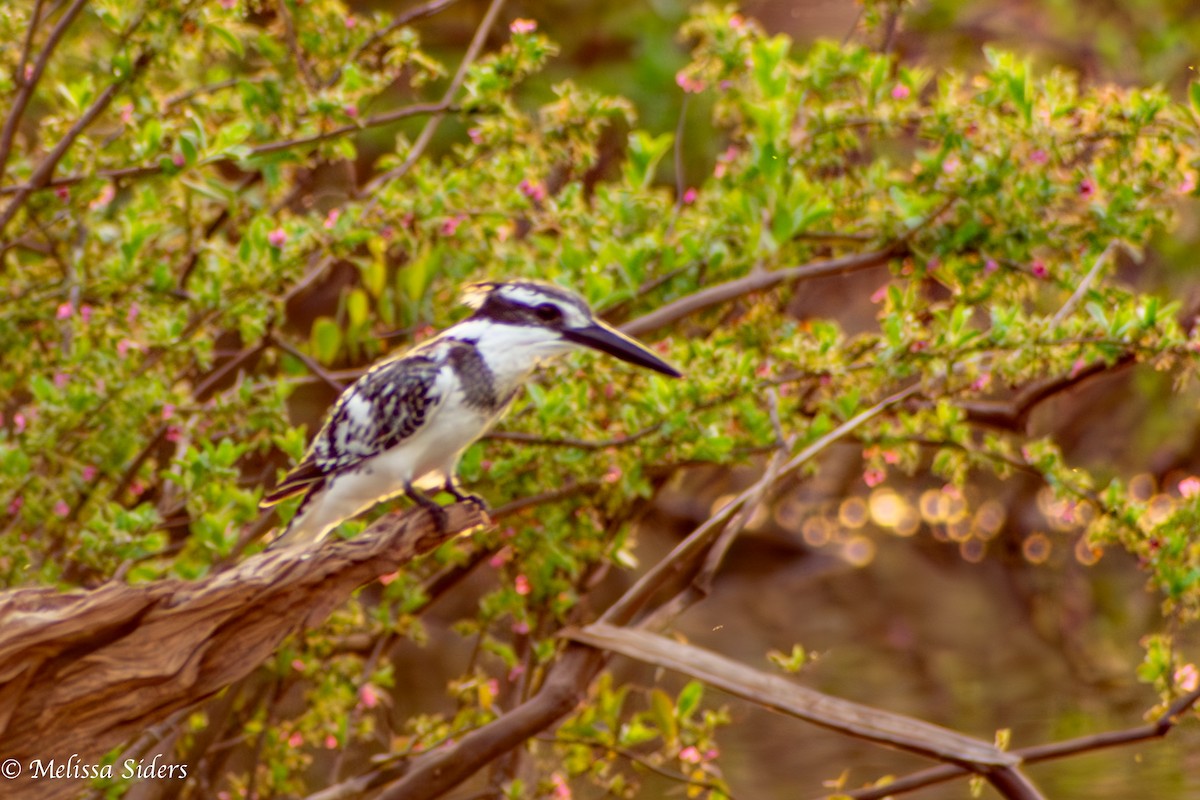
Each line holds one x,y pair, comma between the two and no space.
554,320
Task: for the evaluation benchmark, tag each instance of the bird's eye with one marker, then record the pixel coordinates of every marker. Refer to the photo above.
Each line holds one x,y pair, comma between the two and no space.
548,312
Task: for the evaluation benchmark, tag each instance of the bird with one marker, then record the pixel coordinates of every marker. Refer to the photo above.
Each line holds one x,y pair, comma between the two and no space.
403,425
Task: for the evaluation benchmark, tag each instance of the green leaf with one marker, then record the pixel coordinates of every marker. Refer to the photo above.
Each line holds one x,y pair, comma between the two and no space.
689,698
326,339
662,710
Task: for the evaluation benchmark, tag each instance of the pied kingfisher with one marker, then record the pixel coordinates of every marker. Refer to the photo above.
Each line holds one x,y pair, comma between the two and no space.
407,421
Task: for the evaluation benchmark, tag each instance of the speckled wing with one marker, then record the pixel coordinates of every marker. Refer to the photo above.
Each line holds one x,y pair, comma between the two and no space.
383,408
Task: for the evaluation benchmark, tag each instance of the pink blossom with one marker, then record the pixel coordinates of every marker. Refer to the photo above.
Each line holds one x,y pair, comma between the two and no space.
520,628
737,22
1039,269
880,294
132,315
368,696
450,224
1039,156
332,217
85,313
124,346
724,160
1189,486
1079,366
174,433
298,664
523,26
951,165
689,84
102,199
351,21
534,190
874,477
1187,677
89,473
521,585
900,91
14,505
389,577
562,790
29,71
60,379
982,382
63,193
475,135
919,346
1188,184
61,509
711,753
517,671
277,237
1087,188
331,742
137,488
295,740
19,422
690,755
613,475
689,196
350,110
890,457
228,5
500,558
990,266
65,310
178,160
168,410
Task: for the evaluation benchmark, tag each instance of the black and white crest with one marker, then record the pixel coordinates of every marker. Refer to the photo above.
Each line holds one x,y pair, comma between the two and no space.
526,303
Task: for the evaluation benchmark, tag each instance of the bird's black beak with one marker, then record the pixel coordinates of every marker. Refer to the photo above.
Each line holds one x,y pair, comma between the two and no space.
599,336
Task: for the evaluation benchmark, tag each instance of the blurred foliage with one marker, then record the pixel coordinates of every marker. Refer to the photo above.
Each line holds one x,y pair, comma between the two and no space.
180,278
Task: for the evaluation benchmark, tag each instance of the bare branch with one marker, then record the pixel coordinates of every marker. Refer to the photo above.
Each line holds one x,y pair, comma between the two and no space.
754,282
780,694
1045,752
426,135
699,540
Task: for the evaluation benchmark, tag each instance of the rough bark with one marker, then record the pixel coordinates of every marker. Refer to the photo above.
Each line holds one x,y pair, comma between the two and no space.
83,672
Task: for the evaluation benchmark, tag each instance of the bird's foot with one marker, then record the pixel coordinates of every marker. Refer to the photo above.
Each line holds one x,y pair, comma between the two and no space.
467,497
440,518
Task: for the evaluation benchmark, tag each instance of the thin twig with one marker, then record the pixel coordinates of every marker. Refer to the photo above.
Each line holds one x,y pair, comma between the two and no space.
1029,755
308,361
622,611
568,441
1084,285
39,66
431,126
289,36
413,14
144,170
41,175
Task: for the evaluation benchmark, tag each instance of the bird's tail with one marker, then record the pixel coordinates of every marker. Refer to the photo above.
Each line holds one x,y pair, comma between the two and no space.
310,525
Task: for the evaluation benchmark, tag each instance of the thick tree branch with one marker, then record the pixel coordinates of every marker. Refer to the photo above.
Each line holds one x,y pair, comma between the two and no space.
83,672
